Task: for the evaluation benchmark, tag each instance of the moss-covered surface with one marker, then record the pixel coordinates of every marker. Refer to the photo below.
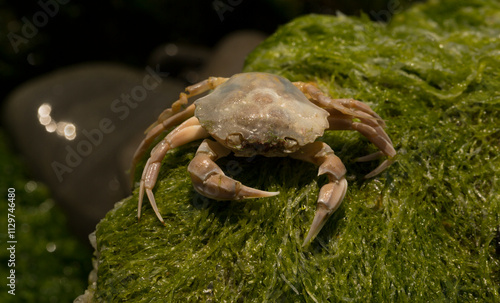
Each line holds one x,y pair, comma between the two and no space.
425,230
51,265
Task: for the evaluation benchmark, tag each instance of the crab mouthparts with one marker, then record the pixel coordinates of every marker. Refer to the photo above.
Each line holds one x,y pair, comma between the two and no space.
272,148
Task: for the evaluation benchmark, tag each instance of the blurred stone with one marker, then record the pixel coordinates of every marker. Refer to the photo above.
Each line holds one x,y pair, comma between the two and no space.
230,53
181,60
194,63
78,128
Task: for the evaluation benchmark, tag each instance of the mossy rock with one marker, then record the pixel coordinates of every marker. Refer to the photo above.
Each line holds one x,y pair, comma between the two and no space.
49,263
425,230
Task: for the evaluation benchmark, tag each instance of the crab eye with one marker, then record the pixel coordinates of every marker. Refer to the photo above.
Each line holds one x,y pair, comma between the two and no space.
290,144
234,140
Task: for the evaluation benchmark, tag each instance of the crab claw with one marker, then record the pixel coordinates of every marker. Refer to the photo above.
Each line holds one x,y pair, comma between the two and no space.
330,198
249,192
331,194
210,181
220,187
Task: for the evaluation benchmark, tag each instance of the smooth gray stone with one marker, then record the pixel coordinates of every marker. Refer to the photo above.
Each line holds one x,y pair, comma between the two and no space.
110,106
194,63
230,53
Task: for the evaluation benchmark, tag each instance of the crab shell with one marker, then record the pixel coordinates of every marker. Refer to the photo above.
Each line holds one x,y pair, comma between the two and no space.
260,114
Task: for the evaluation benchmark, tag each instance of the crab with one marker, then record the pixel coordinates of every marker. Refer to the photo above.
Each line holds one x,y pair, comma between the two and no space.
263,114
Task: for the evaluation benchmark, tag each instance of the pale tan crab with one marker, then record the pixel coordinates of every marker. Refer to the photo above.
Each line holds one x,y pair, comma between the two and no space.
260,114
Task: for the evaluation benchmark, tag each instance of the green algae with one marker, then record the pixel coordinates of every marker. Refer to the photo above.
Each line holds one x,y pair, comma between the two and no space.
50,264
422,231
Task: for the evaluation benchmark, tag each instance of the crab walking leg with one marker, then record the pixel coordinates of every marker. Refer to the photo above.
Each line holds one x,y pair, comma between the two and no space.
188,131
385,146
157,131
190,91
205,85
350,107
173,116
342,111
210,181
374,133
331,194
339,121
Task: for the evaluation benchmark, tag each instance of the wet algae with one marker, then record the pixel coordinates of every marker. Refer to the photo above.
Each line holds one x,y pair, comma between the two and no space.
46,261
425,230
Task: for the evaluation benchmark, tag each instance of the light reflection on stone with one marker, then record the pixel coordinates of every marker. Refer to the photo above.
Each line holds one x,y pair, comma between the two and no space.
62,128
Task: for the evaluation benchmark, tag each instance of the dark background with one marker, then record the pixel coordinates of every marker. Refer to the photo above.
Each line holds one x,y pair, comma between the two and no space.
127,31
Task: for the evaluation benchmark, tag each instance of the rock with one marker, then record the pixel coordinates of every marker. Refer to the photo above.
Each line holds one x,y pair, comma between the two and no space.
194,63
421,231
230,53
78,127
